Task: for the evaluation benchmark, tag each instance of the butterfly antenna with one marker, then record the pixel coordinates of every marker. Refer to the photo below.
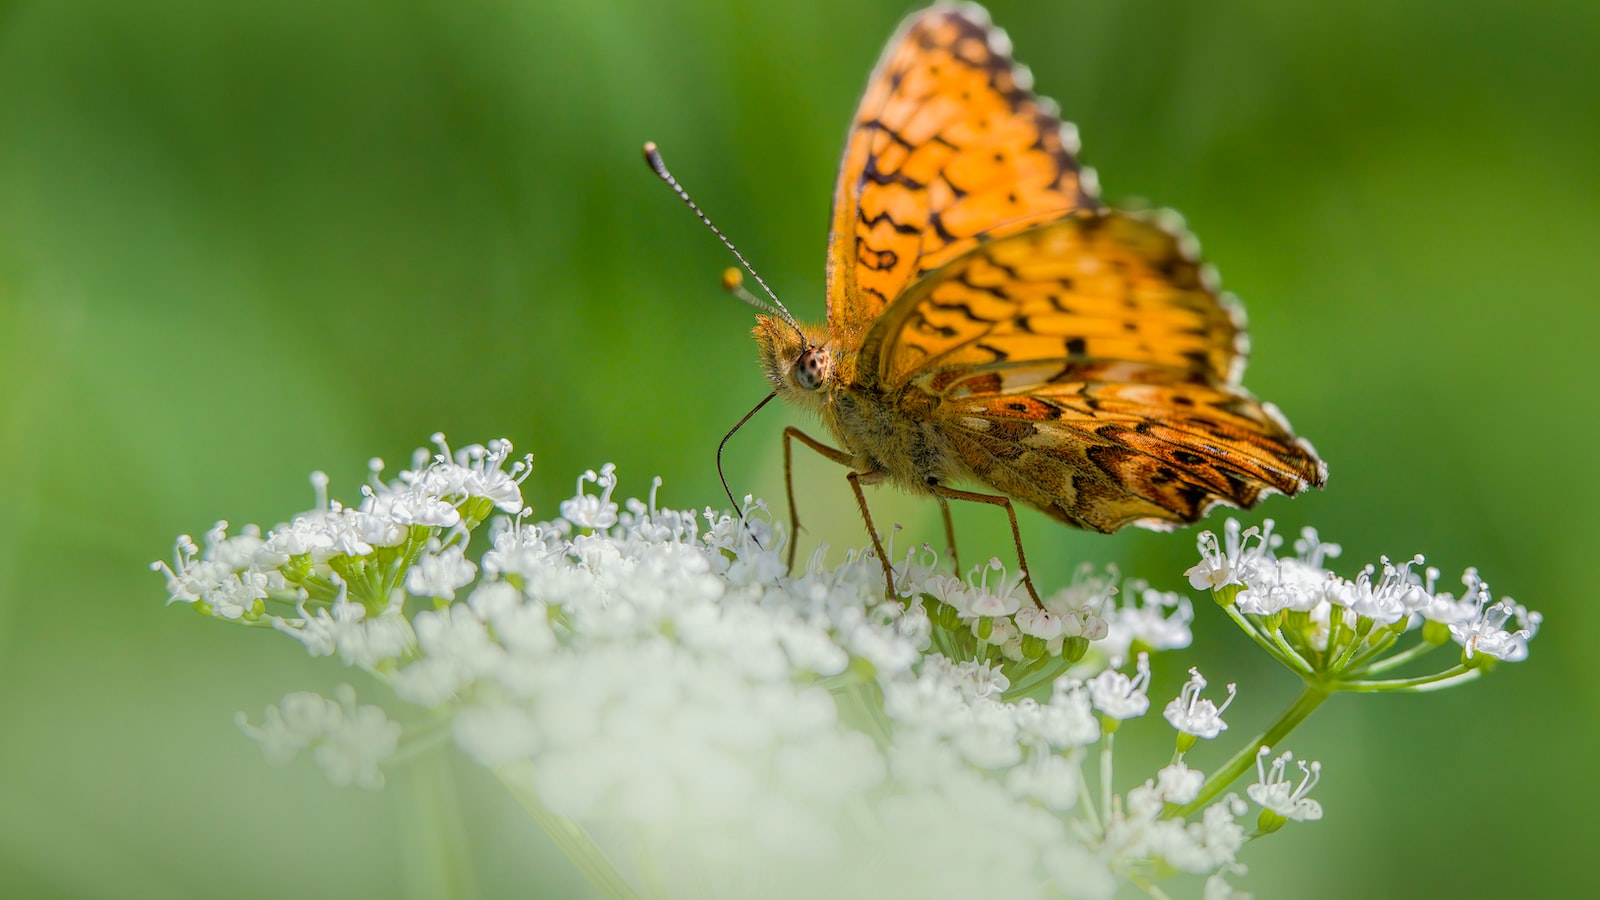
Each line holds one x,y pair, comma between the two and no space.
659,166
731,432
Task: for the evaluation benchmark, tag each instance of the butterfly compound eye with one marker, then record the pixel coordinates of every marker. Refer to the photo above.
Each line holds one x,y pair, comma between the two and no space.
811,369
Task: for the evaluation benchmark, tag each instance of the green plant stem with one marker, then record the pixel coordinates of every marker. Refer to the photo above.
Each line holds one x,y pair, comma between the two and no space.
440,859
1105,773
1148,886
1356,642
569,837
1090,817
1045,669
1274,645
1303,706
1372,651
1397,660
859,707
1421,684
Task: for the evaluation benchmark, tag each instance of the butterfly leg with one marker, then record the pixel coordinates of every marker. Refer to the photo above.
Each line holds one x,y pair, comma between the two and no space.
857,479
949,532
839,456
1016,534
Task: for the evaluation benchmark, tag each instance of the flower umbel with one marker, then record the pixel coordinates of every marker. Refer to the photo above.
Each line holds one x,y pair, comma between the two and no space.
658,676
1341,635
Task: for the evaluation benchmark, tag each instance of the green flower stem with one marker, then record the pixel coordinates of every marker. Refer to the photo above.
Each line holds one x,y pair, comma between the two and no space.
1148,886
1356,642
1289,655
440,859
1274,645
569,837
1045,669
418,742
1374,649
1397,660
1303,706
1105,772
1090,817
1450,677
860,707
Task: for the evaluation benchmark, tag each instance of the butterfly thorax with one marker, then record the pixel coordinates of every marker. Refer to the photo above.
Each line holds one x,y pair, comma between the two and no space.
883,431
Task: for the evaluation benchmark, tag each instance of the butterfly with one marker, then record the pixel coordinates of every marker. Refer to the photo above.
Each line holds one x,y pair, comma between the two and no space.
990,322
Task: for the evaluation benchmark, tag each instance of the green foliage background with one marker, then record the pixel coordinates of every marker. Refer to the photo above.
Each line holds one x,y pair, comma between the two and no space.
240,241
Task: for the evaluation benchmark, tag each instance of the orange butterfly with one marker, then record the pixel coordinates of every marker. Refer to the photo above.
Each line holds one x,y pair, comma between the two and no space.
989,321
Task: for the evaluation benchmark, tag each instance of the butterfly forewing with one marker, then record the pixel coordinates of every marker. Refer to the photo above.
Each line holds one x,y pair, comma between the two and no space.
1087,290
948,145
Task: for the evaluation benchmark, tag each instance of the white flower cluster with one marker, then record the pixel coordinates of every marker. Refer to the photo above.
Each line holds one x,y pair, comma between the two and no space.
658,677
348,741
1321,622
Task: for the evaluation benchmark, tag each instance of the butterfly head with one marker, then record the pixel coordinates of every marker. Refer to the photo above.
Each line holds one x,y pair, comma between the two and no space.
796,360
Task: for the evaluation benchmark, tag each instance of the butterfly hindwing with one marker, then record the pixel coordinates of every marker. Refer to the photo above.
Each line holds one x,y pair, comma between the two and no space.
1088,367
1104,455
948,145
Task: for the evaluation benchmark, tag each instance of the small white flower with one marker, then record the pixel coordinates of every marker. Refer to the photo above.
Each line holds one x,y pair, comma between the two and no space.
983,601
1218,836
1479,626
588,511
235,552
1177,783
440,574
951,591
1050,779
1286,584
344,627
1082,604
1274,792
209,578
1236,561
1158,620
1394,597
1191,714
1039,623
1120,697
520,624
525,551
290,726
348,741
456,651
474,471
306,535
982,680
1218,888
1066,722
386,514
239,595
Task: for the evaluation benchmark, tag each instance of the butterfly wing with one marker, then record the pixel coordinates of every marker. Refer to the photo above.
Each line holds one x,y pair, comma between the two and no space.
1088,367
1090,287
948,146
1105,454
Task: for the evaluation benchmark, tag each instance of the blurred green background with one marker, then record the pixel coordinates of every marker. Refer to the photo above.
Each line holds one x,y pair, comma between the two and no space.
241,241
